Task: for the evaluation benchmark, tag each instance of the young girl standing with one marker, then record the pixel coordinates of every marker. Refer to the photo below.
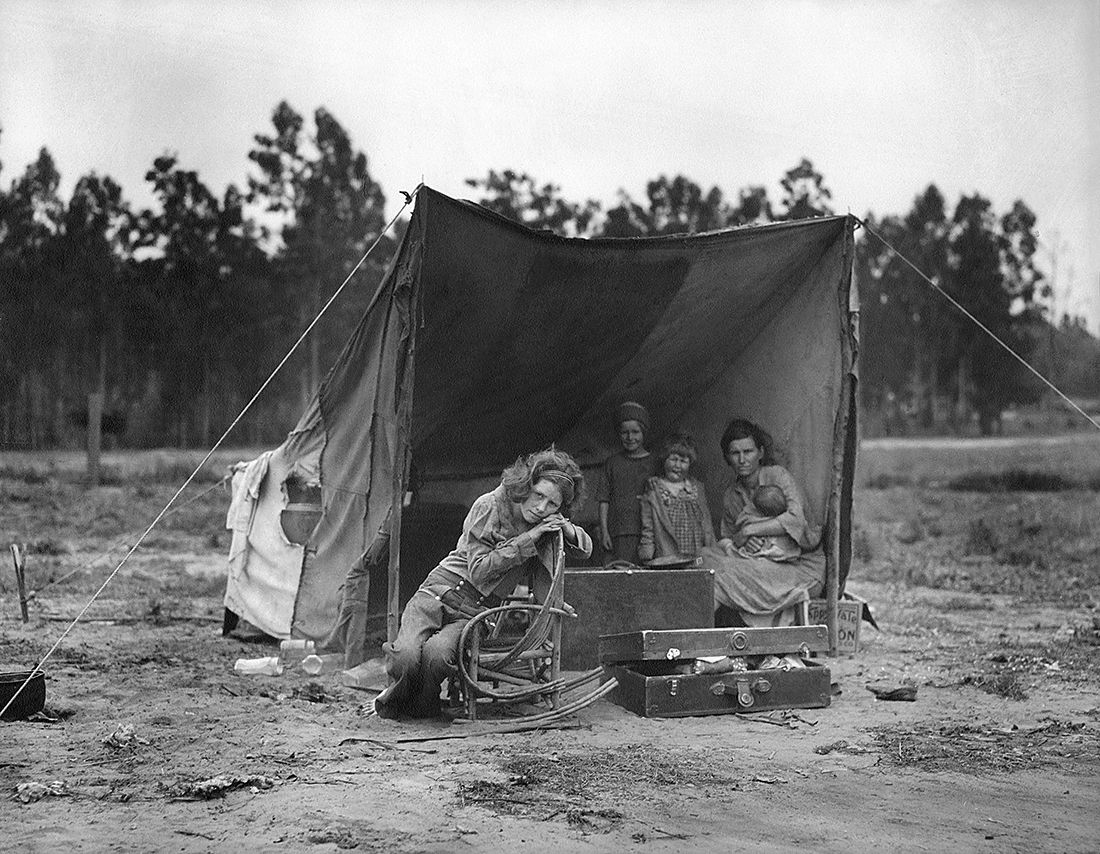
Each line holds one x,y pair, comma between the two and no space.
618,490
675,517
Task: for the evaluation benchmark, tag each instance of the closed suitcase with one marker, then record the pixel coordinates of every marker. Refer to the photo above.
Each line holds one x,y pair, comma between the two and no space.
610,601
653,669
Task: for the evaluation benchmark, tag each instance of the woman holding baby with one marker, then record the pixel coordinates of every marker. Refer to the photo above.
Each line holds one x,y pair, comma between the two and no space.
768,557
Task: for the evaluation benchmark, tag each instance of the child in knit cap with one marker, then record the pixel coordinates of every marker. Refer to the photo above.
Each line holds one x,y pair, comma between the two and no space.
624,476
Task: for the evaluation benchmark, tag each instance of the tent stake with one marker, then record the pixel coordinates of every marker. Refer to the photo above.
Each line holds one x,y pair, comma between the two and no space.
20,579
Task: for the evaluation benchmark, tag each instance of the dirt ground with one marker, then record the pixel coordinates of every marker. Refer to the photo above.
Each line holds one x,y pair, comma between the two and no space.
987,603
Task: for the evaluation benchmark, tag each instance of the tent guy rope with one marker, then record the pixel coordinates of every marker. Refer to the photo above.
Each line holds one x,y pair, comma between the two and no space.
981,325
210,453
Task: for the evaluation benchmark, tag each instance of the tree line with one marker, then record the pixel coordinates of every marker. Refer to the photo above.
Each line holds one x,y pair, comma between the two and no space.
170,318
174,316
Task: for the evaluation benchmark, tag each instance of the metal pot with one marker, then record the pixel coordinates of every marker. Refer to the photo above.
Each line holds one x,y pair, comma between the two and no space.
30,700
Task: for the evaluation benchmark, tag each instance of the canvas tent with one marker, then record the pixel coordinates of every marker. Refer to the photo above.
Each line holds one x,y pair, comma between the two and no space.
487,340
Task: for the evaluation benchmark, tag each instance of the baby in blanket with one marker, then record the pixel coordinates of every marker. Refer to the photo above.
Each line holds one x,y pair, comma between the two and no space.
768,502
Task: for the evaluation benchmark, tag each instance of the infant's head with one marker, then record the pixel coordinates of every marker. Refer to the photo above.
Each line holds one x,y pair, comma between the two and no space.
770,500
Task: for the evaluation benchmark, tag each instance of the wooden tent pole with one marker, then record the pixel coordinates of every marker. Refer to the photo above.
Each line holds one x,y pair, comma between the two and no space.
401,458
832,577
840,442
393,589
402,453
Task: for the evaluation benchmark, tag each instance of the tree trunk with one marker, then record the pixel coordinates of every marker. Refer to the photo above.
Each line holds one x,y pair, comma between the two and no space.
962,398
309,369
303,388
95,420
58,392
933,389
95,416
314,363
206,401
35,416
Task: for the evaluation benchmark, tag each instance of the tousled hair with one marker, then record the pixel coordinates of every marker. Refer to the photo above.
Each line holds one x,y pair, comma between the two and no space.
678,443
742,428
553,465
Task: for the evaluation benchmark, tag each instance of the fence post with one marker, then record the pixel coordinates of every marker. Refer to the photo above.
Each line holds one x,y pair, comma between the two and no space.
20,580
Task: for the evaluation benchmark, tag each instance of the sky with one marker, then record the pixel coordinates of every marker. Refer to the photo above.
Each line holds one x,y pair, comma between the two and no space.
884,96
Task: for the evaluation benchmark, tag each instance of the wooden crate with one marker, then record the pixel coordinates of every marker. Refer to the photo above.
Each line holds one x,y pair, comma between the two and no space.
611,601
849,617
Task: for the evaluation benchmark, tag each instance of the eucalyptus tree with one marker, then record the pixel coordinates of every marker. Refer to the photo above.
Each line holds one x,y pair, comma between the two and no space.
519,197
30,220
94,250
804,192
324,211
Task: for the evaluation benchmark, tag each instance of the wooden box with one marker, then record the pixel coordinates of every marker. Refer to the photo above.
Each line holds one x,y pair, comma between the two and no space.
614,601
654,671
849,616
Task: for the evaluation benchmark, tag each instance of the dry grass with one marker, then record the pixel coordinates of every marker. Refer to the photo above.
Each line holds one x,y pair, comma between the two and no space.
165,465
1073,460
589,773
570,786
982,749
1042,546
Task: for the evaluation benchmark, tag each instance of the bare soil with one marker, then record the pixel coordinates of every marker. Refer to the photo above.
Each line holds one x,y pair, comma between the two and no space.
987,603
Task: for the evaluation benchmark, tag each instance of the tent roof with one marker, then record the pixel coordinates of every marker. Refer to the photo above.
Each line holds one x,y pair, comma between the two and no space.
507,340
530,338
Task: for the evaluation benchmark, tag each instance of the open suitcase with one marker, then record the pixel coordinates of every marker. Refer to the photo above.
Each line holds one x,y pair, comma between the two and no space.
654,670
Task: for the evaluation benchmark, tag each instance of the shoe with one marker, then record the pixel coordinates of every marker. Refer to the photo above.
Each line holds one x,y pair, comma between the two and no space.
368,676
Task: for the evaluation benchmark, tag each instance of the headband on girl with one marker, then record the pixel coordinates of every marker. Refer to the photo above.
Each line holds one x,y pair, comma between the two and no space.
557,475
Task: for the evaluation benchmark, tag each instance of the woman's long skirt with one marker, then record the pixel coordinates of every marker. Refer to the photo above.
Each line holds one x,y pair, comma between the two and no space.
759,588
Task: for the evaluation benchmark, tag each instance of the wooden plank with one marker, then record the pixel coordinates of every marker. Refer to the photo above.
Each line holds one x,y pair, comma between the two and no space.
401,460
832,577
839,503
20,579
678,644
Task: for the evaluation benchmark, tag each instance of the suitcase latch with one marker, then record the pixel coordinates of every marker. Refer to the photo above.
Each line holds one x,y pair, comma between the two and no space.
673,687
739,640
743,689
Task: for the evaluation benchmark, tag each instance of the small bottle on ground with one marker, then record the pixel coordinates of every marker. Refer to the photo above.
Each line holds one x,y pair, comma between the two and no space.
292,652
315,664
269,665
